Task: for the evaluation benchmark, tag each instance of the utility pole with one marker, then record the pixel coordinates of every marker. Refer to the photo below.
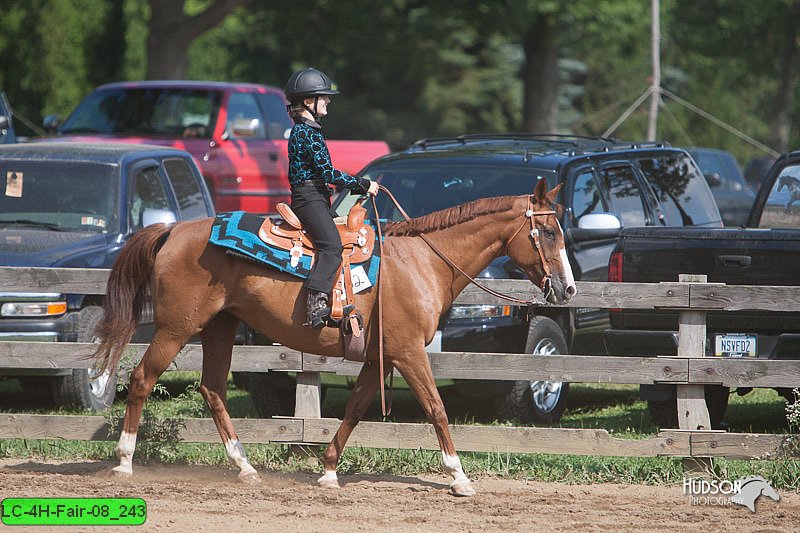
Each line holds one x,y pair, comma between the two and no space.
655,86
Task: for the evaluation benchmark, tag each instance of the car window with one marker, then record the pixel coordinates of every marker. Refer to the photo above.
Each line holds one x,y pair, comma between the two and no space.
626,195
782,209
152,111
244,117
190,198
148,193
70,196
422,188
279,125
586,196
681,189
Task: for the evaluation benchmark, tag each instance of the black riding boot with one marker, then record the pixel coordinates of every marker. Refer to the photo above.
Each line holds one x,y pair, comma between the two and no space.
318,308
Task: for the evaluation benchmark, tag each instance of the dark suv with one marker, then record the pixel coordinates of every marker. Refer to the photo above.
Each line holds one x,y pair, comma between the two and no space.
606,184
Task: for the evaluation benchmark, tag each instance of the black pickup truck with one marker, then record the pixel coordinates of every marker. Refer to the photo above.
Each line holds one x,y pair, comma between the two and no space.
75,205
764,252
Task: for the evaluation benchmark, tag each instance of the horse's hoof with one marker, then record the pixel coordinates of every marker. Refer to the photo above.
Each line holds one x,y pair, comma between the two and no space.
121,471
329,481
462,489
250,478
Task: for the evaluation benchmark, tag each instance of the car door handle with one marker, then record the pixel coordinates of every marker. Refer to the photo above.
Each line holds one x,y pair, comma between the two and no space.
733,261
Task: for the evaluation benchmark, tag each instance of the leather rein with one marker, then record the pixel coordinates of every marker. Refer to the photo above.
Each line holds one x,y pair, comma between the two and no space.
546,284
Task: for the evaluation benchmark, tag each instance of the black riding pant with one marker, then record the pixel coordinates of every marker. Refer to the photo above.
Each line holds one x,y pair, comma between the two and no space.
311,202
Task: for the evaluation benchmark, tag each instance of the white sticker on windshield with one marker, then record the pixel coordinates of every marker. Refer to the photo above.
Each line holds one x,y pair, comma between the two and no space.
14,184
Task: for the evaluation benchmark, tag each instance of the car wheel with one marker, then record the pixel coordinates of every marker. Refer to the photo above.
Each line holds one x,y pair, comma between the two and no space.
664,413
272,393
538,401
83,387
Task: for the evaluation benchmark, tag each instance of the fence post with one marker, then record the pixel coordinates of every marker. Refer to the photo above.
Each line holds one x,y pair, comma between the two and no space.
691,399
307,397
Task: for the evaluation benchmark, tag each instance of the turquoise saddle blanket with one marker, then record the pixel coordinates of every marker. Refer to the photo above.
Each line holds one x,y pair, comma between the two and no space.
238,232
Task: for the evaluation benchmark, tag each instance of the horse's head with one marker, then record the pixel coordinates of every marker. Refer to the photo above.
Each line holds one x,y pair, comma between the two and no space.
537,245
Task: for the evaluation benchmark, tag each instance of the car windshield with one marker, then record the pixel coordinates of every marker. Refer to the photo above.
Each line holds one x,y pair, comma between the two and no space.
59,195
424,187
152,111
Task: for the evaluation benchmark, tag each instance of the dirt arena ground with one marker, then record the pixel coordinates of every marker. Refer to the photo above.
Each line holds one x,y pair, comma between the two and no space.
198,498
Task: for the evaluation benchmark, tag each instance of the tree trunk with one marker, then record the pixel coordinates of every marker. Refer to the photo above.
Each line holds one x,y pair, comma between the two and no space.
172,31
781,119
540,76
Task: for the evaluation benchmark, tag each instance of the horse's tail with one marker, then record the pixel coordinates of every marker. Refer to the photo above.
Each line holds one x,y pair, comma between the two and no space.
125,294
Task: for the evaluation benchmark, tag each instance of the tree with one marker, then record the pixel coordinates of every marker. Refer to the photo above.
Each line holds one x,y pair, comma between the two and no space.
172,30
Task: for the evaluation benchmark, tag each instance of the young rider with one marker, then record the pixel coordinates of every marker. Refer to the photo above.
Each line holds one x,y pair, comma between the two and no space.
308,92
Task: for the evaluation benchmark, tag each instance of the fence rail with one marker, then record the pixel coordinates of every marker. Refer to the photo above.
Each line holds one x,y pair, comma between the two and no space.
691,297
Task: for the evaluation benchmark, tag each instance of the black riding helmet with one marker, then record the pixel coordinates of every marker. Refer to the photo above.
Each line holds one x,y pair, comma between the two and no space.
307,83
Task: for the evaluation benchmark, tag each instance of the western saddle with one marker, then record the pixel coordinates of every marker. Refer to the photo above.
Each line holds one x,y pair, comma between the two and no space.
358,240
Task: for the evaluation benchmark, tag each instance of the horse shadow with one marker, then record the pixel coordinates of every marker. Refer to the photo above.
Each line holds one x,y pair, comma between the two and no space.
83,468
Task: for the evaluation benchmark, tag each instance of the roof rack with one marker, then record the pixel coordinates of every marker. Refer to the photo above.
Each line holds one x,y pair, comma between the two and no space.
574,144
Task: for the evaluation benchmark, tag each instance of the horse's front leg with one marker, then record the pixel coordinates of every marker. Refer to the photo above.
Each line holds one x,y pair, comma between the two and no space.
416,370
218,337
364,391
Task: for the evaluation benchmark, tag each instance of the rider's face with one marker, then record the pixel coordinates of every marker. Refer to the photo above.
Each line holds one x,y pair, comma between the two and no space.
322,105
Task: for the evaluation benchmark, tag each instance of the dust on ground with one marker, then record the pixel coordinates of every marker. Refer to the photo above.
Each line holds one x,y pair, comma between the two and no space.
203,498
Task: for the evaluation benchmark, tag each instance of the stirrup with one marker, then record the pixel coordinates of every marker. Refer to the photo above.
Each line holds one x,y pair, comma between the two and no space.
322,317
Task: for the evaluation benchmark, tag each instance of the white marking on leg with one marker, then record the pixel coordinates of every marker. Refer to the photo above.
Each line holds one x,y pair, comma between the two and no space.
237,456
329,479
461,485
125,448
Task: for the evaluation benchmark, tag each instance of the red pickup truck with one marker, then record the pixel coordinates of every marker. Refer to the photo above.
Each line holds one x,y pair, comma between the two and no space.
236,132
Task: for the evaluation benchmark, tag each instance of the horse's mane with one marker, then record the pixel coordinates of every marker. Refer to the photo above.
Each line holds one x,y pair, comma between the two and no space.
449,217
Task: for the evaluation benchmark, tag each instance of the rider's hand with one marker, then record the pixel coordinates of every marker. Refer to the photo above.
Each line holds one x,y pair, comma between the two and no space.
373,188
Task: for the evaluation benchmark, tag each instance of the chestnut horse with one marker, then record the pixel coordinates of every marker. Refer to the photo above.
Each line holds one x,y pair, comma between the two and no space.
198,289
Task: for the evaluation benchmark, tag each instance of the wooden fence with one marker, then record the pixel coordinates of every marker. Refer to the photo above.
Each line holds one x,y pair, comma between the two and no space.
689,371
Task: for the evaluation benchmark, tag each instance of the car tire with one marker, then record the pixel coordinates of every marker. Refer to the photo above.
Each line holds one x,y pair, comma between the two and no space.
664,413
272,393
537,401
82,388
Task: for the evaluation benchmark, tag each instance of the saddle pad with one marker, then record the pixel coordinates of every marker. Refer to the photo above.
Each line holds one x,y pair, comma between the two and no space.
238,231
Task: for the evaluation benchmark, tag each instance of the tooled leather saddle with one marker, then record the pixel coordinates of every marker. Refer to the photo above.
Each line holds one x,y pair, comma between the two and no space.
358,241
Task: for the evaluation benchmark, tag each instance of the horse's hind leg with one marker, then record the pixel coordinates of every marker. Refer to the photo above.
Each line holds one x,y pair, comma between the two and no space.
218,337
364,391
162,350
416,370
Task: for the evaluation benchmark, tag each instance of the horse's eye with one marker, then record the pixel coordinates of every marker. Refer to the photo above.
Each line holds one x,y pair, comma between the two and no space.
550,234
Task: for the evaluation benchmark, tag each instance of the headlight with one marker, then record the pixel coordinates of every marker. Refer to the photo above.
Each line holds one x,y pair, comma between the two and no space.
22,309
479,311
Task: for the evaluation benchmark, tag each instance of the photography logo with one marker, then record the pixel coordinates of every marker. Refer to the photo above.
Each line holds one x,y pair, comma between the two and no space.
744,491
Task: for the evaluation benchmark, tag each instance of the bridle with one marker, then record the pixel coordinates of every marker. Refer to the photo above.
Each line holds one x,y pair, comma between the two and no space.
547,280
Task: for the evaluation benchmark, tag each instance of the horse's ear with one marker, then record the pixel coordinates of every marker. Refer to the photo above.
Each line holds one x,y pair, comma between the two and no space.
550,197
540,191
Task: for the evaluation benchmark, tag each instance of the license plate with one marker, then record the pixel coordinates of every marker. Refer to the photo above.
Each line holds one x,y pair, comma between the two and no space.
735,345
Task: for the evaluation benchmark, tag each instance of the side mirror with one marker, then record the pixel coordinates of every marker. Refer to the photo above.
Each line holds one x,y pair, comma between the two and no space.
4,122
157,216
245,127
51,123
595,227
713,179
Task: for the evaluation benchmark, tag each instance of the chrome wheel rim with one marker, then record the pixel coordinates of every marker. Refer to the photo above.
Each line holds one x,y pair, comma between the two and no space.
545,394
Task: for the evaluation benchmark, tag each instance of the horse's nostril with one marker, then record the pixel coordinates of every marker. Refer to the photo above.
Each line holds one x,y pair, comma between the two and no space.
571,291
